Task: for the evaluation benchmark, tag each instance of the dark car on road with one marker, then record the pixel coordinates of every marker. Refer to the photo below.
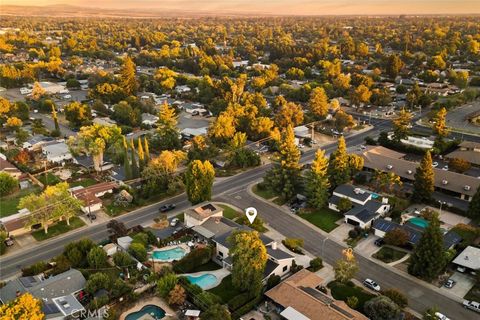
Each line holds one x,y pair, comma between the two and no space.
167,207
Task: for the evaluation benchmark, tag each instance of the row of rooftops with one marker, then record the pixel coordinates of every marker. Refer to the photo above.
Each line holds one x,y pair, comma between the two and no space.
387,160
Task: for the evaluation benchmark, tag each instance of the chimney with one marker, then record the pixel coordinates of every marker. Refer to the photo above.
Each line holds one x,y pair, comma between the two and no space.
274,245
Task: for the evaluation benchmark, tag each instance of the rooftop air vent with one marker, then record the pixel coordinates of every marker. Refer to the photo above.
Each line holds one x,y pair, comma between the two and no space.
444,181
409,171
467,187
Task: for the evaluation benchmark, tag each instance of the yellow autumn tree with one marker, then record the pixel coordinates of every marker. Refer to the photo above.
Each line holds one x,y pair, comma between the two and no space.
25,307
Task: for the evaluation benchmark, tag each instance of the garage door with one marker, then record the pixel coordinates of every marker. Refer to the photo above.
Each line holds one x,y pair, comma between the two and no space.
352,222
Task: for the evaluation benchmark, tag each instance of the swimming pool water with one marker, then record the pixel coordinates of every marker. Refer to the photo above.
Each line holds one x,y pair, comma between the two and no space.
204,281
156,312
169,255
422,223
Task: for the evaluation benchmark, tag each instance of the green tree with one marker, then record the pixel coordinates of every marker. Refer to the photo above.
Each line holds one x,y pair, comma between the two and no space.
165,284
284,176
133,161
318,103
401,125
338,166
127,77
249,259
440,125
473,206
381,308
139,251
8,184
317,184
199,181
428,258
394,65
346,268
167,136
98,281
77,113
122,259
424,183
97,258
344,204
216,312
397,296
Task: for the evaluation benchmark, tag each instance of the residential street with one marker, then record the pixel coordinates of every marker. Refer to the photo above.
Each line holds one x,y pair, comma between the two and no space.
233,190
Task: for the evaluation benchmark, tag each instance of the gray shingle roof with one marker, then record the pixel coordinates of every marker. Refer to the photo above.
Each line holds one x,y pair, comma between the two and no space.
349,191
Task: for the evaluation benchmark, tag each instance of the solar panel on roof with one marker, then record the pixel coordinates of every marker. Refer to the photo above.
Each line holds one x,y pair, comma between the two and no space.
50,308
342,311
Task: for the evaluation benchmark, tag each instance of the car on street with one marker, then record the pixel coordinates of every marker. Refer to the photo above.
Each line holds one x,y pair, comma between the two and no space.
472,305
445,167
167,207
369,283
174,222
379,242
441,316
449,283
435,164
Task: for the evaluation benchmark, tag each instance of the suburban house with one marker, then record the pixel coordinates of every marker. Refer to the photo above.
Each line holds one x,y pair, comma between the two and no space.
297,298
60,294
91,195
52,88
36,142
14,224
57,152
469,259
9,168
380,158
149,119
414,232
189,133
366,207
208,222
468,151
86,161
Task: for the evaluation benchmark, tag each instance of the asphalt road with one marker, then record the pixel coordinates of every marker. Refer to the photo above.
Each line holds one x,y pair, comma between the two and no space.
233,190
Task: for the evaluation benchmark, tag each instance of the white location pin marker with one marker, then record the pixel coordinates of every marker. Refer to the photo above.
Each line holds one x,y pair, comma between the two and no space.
251,214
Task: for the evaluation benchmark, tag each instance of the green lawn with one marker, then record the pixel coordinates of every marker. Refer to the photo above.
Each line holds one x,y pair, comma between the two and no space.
387,254
50,180
323,218
9,204
264,193
58,229
209,266
83,182
343,291
225,290
229,212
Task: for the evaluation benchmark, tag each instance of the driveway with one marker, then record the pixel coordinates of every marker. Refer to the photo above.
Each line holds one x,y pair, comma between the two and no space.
464,282
367,246
341,232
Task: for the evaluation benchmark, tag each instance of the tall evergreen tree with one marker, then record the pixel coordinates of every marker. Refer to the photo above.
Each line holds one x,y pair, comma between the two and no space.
127,77
199,181
147,150
126,161
474,206
135,169
317,181
428,258
141,155
424,183
338,166
283,178
167,131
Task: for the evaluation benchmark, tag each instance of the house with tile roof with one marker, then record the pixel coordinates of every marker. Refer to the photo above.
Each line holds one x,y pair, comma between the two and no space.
298,298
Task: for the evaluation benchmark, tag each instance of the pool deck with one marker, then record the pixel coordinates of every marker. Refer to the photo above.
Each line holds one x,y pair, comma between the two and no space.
169,313
220,274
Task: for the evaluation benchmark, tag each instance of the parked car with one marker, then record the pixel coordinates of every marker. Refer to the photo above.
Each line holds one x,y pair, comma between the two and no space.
445,167
92,216
379,242
167,207
461,269
174,222
9,242
449,283
435,164
369,283
441,316
472,305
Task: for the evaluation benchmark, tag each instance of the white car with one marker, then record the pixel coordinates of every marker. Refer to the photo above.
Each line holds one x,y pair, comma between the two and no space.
369,283
472,305
174,222
67,96
445,167
64,91
441,316
435,164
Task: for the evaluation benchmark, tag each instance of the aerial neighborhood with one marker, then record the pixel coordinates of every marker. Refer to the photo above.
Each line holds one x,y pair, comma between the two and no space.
238,167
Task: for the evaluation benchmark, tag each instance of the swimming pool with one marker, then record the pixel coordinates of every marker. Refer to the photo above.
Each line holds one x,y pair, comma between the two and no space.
176,253
150,309
419,222
205,281
375,196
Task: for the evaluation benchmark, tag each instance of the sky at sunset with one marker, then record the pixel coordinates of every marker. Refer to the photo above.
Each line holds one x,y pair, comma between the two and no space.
301,7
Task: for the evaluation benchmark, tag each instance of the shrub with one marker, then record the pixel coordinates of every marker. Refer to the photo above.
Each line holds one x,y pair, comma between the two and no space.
166,284
141,238
380,308
459,165
8,184
316,264
352,234
396,296
35,269
273,280
352,302
122,259
396,237
238,301
344,204
138,251
206,299
246,308
194,259
294,244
